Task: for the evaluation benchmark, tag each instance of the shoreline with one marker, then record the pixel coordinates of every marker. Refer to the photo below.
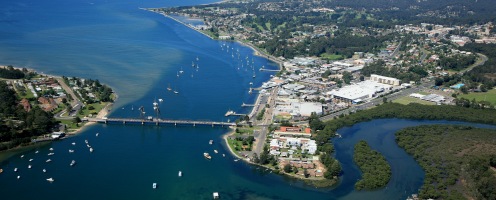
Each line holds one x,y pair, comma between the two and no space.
256,51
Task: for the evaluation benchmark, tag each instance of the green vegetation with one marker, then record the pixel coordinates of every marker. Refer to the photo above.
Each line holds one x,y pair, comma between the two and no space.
414,73
457,62
17,126
489,96
261,114
10,73
457,160
376,171
327,56
407,100
326,130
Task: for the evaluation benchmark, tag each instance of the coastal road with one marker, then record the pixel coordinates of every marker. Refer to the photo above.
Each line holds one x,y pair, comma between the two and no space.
267,119
75,103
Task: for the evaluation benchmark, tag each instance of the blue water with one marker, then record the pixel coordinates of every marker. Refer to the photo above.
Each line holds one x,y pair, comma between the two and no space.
139,54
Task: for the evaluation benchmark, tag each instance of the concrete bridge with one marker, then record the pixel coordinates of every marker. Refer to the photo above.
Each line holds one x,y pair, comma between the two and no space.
158,122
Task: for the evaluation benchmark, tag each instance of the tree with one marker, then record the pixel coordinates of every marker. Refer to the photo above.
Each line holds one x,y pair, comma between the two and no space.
77,120
287,168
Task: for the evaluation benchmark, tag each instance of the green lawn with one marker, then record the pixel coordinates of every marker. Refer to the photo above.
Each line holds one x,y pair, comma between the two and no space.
331,56
70,124
233,143
97,107
407,100
27,93
489,96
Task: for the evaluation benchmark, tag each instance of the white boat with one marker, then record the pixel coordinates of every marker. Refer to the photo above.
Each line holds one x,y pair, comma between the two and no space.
215,151
223,155
181,71
207,156
44,170
216,195
73,143
176,92
73,162
29,166
91,150
236,160
169,87
51,154
15,169
50,179
154,185
211,142
97,134
160,100
180,174
229,112
51,149
88,146
86,141
18,177
71,151
22,156
37,152
49,160
30,160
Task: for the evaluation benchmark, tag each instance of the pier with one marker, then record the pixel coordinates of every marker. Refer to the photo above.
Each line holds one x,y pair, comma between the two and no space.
161,122
268,70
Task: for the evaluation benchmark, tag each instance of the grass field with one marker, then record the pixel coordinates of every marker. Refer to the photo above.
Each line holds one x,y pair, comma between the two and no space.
489,96
331,56
407,100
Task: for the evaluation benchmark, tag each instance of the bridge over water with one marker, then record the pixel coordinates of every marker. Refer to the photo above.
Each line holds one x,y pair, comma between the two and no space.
160,122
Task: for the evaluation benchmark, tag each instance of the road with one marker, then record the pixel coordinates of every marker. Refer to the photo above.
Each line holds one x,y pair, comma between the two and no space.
75,103
267,120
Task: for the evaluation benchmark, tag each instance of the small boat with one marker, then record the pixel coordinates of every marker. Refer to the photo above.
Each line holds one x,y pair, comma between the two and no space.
1,171
97,134
51,154
15,169
29,166
22,156
180,174
18,177
181,71
91,150
216,195
211,142
236,160
73,162
49,160
215,151
50,179
36,151
229,112
160,100
88,146
71,151
207,156
44,170
154,185
169,87
30,160
86,141
51,149
73,143
176,92
223,155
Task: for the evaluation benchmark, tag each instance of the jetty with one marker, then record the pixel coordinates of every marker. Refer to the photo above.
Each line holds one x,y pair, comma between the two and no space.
160,122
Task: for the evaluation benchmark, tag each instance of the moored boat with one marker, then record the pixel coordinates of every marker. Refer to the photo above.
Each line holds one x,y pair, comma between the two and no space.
215,151
73,163
91,150
211,142
180,174
154,185
207,156
49,160
50,179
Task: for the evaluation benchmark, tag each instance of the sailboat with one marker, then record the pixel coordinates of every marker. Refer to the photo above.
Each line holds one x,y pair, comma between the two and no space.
197,59
169,87
181,71
177,74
